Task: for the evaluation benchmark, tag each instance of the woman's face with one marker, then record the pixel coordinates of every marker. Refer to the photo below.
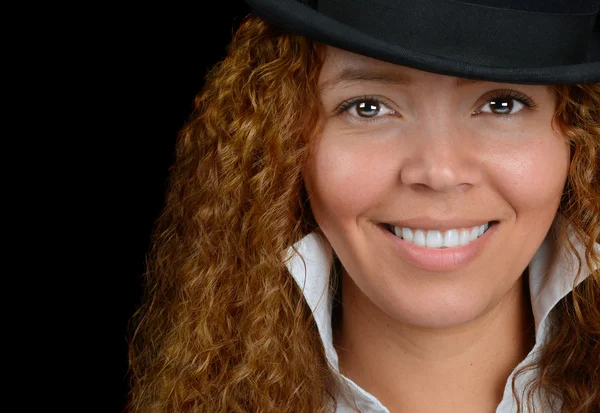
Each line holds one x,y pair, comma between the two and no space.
442,158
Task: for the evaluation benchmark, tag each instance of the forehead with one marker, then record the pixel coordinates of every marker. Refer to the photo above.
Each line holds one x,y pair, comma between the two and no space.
341,67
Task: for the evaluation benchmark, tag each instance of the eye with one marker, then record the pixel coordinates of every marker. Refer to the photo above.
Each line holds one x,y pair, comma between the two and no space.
507,103
365,107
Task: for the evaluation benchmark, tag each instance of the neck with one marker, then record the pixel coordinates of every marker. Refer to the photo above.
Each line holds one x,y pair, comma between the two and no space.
410,368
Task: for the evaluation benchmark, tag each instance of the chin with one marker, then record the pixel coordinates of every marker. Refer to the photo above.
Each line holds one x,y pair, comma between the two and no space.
441,310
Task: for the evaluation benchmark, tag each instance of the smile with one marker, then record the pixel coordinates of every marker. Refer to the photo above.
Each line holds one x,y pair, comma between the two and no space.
450,238
440,250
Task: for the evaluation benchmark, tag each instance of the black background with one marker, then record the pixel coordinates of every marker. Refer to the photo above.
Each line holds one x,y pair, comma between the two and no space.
151,63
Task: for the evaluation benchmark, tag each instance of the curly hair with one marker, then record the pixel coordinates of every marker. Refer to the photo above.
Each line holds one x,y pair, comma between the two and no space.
223,326
569,361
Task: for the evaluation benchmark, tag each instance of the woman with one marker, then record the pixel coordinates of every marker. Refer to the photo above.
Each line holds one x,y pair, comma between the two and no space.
367,215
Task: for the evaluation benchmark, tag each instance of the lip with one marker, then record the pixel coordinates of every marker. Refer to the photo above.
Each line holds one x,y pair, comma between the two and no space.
440,260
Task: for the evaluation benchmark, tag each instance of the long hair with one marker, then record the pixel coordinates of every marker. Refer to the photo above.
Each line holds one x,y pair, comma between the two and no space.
568,364
223,326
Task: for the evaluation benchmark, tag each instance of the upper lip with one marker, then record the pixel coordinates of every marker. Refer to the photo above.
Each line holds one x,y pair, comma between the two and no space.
437,224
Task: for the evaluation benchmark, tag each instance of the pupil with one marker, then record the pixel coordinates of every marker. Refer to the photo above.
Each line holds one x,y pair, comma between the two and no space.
368,109
504,106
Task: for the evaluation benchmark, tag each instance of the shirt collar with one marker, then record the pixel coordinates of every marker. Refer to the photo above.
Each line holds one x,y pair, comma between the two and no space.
551,275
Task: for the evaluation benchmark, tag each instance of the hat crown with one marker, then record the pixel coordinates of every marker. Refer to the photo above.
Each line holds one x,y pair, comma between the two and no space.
520,34
542,6
535,6
526,41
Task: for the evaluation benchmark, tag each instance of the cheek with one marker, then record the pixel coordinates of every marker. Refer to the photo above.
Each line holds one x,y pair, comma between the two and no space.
532,176
343,181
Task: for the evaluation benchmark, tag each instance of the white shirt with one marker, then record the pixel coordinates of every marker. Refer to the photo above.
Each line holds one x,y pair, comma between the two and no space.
551,274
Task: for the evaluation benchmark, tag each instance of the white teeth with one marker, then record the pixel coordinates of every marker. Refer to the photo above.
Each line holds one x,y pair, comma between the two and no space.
407,234
474,234
465,237
419,238
451,238
483,228
436,239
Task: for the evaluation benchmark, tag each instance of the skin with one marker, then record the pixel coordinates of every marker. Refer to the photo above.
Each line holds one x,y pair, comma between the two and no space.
418,340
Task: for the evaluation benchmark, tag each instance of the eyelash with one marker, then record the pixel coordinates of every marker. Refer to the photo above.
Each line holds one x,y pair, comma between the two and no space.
345,106
499,95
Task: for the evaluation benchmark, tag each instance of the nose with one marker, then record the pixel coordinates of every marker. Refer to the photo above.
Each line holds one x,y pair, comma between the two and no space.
441,158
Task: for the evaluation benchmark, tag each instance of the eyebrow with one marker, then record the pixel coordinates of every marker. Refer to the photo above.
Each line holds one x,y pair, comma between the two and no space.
353,74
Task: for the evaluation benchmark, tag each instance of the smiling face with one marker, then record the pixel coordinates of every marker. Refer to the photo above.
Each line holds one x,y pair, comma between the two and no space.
437,156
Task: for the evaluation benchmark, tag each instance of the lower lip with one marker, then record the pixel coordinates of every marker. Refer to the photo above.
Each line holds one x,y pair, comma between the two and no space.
446,259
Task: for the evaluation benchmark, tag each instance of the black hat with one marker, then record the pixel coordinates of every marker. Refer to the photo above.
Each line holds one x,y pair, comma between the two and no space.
518,41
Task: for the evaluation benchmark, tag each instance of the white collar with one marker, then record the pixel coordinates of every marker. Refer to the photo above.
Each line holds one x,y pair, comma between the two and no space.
551,274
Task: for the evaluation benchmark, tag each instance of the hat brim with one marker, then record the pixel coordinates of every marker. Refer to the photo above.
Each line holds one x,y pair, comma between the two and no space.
298,18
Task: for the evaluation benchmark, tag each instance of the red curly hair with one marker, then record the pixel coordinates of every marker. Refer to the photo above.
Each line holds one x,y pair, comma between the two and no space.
223,326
